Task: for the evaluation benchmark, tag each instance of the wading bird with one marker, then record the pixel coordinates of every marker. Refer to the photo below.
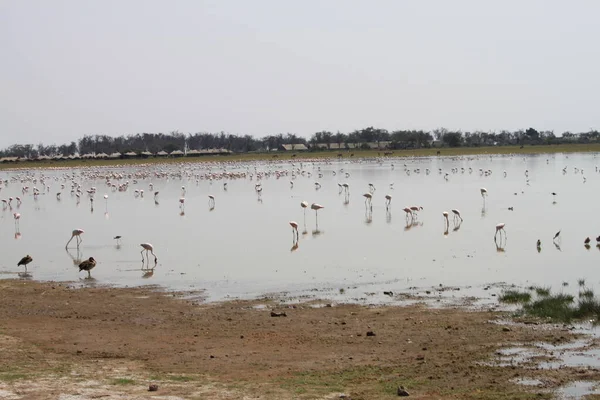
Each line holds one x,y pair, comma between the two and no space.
368,197
316,207
556,235
211,200
388,200
500,228
304,205
87,265
294,226
17,217
118,239
148,248
76,233
24,261
445,214
456,214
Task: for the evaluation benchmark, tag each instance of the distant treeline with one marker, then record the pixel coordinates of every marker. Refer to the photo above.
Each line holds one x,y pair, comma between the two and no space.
401,139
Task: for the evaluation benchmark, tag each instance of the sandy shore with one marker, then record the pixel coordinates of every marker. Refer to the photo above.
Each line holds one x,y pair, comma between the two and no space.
61,342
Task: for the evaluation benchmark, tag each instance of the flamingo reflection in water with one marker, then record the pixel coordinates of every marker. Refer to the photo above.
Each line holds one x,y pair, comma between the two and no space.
147,271
368,215
75,258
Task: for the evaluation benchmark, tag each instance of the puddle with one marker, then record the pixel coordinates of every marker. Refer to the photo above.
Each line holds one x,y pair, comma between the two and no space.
527,382
578,389
516,356
586,358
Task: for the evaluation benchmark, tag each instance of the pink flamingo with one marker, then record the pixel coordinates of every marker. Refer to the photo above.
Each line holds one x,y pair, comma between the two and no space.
17,217
76,234
316,207
148,248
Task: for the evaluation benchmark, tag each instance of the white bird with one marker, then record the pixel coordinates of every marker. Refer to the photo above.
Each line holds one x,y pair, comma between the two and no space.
76,234
368,197
304,205
148,248
316,207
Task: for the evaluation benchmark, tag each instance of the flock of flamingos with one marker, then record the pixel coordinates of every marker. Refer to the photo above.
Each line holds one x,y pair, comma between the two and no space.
115,180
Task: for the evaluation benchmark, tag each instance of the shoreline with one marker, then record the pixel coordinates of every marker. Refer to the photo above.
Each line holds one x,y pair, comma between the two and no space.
115,342
311,156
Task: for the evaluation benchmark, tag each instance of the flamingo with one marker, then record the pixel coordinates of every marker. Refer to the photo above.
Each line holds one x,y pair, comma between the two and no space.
500,228
24,261
457,214
76,233
87,265
408,212
388,200
304,205
211,200
445,214
148,248
368,197
17,217
118,239
415,210
294,226
483,193
316,207
181,202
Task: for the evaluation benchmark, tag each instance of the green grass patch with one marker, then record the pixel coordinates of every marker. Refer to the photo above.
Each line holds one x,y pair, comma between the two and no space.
556,307
542,291
12,376
512,296
123,381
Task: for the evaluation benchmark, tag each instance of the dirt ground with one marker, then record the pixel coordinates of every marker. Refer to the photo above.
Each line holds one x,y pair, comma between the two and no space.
57,342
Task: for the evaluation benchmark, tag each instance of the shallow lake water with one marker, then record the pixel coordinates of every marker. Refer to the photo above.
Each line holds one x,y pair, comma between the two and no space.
244,246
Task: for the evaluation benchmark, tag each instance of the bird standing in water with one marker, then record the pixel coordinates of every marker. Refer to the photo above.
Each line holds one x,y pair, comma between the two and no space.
87,265
148,248
24,261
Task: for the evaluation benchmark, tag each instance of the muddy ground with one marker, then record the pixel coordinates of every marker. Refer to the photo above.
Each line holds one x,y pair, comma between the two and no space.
60,342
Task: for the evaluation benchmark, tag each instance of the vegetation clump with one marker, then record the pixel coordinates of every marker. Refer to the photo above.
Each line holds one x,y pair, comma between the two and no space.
560,307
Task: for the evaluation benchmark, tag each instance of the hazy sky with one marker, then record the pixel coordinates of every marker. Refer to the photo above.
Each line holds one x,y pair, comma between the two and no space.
74,67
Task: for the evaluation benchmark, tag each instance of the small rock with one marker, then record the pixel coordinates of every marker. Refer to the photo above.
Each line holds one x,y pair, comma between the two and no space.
388,293
153,388
278,314
370,333
402,392
505,329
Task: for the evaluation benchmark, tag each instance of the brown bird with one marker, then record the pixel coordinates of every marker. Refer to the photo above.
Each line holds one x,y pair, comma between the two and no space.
87,265
24,261
587,240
